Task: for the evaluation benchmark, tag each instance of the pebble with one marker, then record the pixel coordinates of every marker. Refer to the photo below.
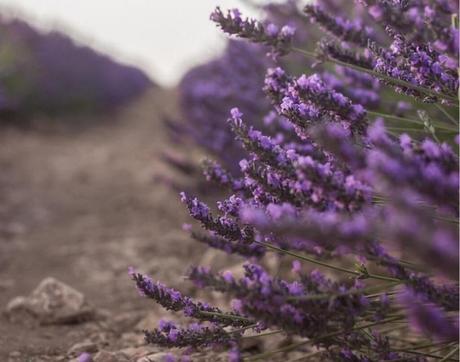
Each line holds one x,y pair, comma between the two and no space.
53,302
85,346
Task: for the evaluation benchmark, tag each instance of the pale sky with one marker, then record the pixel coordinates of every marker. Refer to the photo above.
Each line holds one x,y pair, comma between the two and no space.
163,37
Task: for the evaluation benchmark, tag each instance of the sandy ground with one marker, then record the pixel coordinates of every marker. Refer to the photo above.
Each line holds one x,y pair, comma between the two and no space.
82,206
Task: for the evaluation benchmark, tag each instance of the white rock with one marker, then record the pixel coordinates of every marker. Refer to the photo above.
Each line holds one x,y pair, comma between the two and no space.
85,346
53,302
16,304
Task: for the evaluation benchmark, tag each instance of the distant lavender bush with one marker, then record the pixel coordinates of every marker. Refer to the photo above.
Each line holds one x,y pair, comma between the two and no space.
356,173
207,93
48,72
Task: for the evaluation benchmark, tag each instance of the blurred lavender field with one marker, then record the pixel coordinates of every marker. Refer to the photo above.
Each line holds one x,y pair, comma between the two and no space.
79,205
315,148
49,73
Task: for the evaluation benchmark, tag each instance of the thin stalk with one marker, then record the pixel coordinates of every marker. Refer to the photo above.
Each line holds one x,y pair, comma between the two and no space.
276,351
378,75
318,262
378,200
450,354
422,346
409,120
418,130
400,262
329,295
395,135
392,329
435,137
394,292
442,348
243,329
446,219
307,356
414,350
224,315
306,258
429,355
264,334
448,116
329,335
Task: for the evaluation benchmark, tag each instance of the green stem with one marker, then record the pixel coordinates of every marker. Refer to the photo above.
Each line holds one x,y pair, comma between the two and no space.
318,262
452,119
306,258
396,135
446,219
351,292
450,354
378,75
264,334
423,346
399,129
408,120
392,329
243,329
326,336
429,355
394,292
442,348
224,315
308,356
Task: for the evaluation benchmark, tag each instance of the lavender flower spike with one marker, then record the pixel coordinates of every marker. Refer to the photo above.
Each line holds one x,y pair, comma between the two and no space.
173,300
279,40
345,30
195,335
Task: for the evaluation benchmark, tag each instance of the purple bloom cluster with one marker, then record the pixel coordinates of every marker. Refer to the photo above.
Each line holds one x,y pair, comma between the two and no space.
417,64
279,303
429,319
297,178
308,100
195,335
207,92
429,168
324,180
344,29
173,300
279,39
361,88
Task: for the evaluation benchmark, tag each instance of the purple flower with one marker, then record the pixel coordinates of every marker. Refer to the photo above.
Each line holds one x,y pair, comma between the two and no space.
260,295
234,355
279,40
85,357
236,114
430,319
319,180
207,93
349,31
172,299
169,357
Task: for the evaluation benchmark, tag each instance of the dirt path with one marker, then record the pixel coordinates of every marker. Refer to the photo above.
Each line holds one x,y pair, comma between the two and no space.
82,207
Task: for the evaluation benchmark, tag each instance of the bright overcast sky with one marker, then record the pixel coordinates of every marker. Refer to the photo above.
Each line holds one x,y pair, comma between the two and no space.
163,37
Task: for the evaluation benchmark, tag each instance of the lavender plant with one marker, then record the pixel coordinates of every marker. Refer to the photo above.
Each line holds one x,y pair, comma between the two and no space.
362,183
206,94
50,73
